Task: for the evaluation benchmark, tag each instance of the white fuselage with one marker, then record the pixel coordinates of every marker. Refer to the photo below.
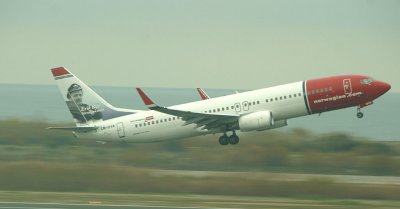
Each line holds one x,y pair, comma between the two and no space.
284,101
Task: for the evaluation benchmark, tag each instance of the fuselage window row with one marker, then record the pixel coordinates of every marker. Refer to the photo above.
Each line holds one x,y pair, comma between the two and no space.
321,90
156,122
281,98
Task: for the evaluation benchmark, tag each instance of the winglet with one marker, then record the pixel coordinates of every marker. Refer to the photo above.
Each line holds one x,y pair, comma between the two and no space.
147,101
60,71
203,94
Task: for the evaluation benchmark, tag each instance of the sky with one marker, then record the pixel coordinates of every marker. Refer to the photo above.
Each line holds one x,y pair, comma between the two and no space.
223,44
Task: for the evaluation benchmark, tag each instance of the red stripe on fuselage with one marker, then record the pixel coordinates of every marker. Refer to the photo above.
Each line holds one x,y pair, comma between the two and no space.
59,71
333,93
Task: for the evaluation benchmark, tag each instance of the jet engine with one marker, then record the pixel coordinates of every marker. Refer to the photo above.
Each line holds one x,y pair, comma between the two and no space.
256,121
278,124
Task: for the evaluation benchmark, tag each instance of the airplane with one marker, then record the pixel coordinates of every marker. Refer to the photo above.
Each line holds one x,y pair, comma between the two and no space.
255,110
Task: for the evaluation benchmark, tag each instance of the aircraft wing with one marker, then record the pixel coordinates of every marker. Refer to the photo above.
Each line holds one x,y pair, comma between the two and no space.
204,120
76,129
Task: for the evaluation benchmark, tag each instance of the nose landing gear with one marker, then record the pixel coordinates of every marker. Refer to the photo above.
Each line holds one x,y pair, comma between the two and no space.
359,113
232,139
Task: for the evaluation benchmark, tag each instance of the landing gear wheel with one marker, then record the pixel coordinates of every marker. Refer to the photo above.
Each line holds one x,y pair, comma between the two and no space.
223,140
359,113
234,139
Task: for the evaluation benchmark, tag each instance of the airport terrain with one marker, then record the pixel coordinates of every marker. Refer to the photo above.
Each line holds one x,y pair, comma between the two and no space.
175,201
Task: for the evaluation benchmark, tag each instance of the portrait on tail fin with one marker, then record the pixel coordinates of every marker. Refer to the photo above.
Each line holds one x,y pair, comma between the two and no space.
80,111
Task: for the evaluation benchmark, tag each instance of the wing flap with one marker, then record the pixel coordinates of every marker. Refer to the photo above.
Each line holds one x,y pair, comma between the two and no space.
76,129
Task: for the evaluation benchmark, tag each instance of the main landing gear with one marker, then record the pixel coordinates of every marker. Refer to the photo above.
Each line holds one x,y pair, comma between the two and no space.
359,113
232,139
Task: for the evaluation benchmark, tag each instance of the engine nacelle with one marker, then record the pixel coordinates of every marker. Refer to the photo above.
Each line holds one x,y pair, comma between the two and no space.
256,121
278,124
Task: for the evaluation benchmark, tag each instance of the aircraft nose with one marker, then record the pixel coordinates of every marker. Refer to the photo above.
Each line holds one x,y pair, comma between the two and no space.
381,88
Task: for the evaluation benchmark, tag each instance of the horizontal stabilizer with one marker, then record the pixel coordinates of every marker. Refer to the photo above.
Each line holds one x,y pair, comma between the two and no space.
76,129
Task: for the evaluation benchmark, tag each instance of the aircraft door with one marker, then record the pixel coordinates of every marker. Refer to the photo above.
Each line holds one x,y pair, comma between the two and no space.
120,130
237,107
245,106
347,86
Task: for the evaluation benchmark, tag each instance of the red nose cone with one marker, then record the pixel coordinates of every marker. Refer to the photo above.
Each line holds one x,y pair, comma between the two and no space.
380,88
384,87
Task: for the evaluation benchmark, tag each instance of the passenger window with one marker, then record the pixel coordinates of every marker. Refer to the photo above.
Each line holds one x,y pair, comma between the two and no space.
276,98
227,108
266,100
135,125
169,119
223,109
152,122
258,102
290,96
284,97
299,94
140,125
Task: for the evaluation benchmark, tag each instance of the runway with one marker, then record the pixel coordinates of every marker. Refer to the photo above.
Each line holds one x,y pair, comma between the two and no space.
74,200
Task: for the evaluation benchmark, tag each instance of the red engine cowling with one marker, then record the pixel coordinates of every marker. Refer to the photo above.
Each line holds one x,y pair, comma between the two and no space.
256,121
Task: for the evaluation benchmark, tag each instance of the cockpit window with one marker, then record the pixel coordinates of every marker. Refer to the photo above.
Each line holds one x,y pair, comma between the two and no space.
367,81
